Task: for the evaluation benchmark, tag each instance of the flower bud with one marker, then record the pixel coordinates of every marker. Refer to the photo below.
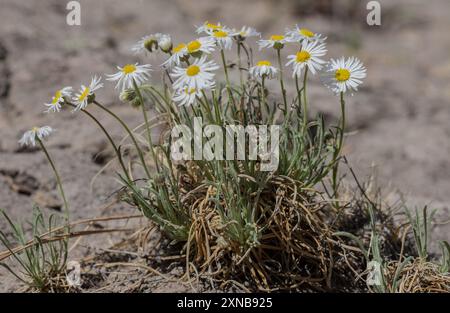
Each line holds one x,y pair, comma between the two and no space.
278,45
130,96
165,43
151,43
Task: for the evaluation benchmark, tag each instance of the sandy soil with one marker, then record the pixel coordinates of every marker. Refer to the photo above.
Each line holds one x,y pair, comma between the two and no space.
398,121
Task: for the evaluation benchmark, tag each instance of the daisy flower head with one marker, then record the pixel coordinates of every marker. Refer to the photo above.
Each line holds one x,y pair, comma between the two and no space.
85,93
246,32
179,52
308,56
147,44
274,41
343,74
30,136
263,69
303,34
130,73
186,96
208,28
223,38
198,75
58,99
201,45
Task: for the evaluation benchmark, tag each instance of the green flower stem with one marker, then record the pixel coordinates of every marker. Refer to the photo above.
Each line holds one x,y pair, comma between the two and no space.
297,88
230,95
116,149
167,71
154,92
305,103
340,145
216,108
206,110
58,179
130,133
283,91
341,138
299,100
241,79
147,125
263,91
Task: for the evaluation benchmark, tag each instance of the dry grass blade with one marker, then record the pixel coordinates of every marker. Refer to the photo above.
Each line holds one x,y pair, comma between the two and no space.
51,237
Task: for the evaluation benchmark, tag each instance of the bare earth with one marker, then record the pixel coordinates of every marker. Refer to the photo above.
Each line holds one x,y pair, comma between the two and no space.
398,122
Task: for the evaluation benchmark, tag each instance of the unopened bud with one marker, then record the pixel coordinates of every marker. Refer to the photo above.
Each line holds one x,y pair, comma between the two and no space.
165,43
278,45
130,96
151,43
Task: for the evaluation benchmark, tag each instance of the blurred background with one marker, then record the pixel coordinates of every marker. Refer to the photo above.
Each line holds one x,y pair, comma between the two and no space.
399,125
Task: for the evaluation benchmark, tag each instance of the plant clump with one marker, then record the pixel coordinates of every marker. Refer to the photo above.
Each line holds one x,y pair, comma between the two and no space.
241,177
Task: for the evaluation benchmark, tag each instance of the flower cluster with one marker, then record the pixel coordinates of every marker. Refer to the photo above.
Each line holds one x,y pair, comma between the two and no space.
340,75
192,69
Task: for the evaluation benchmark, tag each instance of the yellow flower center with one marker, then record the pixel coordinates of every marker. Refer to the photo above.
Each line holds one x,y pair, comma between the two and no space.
302,56
192,70
178,48
56,97
194,46
84,94
306,32
35,129
212,26
276,37
220,34
129,68
190,91
264,63
342,75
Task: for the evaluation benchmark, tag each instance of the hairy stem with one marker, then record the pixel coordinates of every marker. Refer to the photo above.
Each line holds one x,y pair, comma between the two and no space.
339,148
283,91
130,133
147,125
58,178
108,136
305,103
230,95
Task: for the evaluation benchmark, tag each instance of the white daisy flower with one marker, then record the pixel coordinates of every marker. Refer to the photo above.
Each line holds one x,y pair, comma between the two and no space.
81,99
343,74
178,53
246,32
275,41
29,137
223,38
186,96
58,99
203,44
299,34
129,73
147,44
263,69
208,28
197,75
308,56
